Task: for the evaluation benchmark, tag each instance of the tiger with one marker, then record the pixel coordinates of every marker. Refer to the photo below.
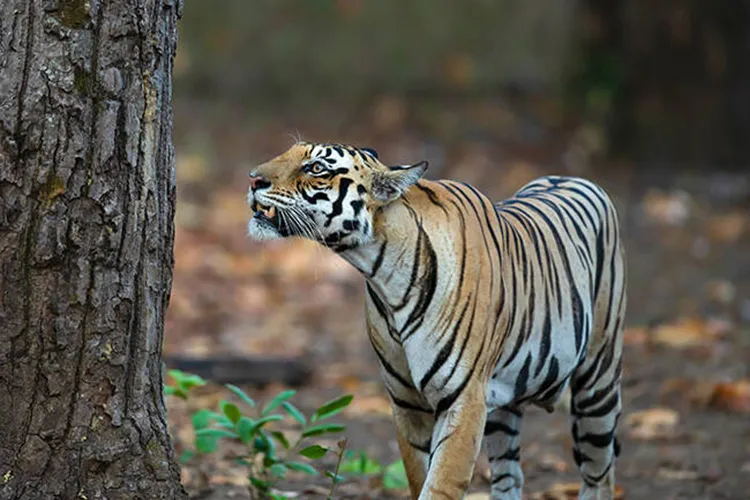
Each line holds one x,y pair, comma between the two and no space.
475,310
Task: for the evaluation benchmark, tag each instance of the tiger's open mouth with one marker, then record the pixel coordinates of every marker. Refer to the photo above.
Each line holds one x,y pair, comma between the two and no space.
266,213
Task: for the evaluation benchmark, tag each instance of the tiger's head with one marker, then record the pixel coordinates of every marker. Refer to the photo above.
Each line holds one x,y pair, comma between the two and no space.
328,193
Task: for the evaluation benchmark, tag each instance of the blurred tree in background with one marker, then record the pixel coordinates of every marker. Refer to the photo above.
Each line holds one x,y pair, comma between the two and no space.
659,82
672,77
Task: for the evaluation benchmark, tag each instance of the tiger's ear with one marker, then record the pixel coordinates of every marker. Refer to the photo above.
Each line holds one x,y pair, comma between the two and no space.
370,152
388,186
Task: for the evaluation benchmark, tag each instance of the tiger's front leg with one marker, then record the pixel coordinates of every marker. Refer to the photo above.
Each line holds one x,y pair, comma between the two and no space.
414,427
456,441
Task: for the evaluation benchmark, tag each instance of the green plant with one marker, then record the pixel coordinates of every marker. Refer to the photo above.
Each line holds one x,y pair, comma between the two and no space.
393,476
184,381
335,477
266,463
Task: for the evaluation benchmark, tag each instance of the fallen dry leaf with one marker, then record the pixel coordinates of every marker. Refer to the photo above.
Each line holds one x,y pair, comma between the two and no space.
732,396
552,462
369,405
677,475
252,299
635,336
689,332
671,209
697,392
195,477
654,423
232,475
727,228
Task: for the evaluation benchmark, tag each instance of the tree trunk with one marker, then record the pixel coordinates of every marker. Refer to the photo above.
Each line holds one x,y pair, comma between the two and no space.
87,199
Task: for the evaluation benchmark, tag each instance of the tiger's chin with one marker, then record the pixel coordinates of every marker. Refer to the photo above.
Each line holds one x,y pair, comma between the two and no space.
260,228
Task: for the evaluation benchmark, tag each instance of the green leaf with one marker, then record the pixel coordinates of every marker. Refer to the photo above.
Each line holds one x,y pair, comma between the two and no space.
361,465
223,404
188,384
265,445
260,444
281,438
170,390
224,422
241,394
186,456
217,433
232,412
263,421
275,402
206,444
245,428
278,470
317,430
243,461
335,477
219,419
203,418
332,407
271,451
269,461
186,381
294,412
369,466
314,452
394,476
259,484
302,467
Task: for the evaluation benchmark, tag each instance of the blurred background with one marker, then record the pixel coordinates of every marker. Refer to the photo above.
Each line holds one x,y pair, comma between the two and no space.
650,99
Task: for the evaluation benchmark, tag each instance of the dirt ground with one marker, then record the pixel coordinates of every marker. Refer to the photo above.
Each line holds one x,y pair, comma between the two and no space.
685,430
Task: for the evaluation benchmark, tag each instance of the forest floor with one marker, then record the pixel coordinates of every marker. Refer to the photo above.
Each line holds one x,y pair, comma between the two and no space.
685,428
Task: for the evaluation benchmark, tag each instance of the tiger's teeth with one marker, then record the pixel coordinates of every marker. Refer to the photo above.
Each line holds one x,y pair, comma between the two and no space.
270,212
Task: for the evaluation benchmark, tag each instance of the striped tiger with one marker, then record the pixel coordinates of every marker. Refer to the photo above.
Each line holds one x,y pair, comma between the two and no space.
474,309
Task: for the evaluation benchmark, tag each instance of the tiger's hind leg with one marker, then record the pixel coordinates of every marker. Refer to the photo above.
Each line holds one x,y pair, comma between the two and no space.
502,433
596,406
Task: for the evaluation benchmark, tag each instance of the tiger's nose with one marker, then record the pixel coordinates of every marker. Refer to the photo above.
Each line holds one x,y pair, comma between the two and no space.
258,182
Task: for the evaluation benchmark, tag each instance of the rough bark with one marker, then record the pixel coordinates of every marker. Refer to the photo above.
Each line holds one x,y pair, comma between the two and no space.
87,199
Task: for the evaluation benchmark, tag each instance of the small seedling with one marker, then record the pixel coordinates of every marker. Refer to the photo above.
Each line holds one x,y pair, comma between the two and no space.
335,477
393,476
184,381
253,428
